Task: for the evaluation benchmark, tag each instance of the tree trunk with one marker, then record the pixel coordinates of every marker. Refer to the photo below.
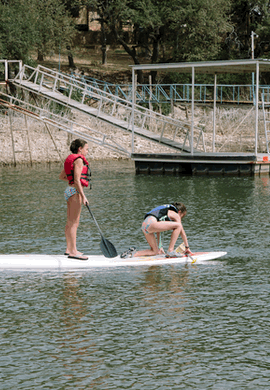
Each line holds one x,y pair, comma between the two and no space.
70,58
40,56
155,55
71,61
103,43
132,53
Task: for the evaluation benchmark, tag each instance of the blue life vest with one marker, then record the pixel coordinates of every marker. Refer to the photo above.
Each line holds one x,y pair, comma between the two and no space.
161,212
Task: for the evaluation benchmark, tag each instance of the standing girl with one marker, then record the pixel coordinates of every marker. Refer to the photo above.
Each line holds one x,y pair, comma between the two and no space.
76,171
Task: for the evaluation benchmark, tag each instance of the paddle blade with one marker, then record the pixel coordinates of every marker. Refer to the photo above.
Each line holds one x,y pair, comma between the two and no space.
107,248
181,248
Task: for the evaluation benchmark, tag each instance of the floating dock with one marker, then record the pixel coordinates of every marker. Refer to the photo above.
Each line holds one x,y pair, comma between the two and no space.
225,164
211,162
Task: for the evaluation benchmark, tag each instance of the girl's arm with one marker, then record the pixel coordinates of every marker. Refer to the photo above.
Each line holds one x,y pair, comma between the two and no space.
184,238
63,175
78,166
176,217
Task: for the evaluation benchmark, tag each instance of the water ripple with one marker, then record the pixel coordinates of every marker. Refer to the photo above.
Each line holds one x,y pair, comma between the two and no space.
201,326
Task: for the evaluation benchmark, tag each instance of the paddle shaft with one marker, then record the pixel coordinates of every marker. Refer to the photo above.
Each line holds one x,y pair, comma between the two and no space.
106,246
92,215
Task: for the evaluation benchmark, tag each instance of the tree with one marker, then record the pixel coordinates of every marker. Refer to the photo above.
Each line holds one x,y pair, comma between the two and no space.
248,16
198,28
103,10
54,27
17,29
261,25
26,25
186,30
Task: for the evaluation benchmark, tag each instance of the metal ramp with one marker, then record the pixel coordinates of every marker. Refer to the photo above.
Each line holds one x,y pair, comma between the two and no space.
109,108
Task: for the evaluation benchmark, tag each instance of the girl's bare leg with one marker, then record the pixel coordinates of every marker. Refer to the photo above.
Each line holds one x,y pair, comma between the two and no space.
163,226
174,236
154,250
73,219
158,227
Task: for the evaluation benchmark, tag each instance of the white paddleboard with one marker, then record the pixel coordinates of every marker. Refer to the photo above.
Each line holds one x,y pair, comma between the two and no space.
61,262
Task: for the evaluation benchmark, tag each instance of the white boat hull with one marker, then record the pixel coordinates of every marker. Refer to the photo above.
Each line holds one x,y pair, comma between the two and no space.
61,262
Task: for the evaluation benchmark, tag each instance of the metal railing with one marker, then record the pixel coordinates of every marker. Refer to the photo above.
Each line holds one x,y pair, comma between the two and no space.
158,93
116,110
5,68
167,93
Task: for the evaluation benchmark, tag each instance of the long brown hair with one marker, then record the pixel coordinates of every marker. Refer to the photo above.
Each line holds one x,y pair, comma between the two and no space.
180,206
76,144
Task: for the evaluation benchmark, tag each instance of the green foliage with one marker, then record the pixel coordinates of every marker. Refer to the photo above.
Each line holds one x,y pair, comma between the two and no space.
162,30
33,24
226,78
17,29
186,30
197,29
54,26
73,7
248,16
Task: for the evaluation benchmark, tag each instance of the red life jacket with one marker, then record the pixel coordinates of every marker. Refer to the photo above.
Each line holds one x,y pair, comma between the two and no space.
69,169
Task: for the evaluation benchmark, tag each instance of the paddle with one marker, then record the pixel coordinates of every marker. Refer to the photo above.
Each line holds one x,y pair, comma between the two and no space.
182,249
106,246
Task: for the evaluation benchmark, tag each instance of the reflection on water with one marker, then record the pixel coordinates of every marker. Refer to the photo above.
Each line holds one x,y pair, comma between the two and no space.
201,326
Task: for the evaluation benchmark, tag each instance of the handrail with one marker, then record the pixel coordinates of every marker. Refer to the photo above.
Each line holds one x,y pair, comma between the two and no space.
75,89
166,93
95,92
6,66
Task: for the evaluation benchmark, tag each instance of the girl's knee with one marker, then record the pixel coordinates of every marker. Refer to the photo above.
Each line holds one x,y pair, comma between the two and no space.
72,224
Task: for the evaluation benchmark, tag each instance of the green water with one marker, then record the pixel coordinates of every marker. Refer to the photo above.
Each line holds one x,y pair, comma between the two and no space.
202,326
